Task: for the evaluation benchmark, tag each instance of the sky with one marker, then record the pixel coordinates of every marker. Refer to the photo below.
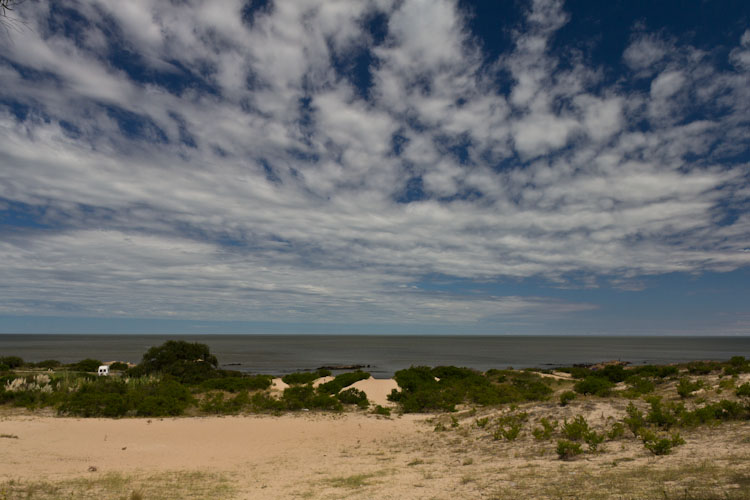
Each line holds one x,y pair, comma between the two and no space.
376,166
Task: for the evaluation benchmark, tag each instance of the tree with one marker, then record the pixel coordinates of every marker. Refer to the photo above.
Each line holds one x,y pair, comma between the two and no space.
190,363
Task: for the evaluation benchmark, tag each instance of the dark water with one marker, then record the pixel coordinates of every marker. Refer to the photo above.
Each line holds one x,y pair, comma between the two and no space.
280,354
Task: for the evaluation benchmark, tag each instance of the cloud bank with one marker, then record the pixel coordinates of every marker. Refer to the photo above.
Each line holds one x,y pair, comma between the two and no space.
324,160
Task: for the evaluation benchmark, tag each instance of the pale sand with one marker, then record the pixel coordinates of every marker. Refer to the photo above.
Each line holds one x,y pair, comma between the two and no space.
359,456
377,390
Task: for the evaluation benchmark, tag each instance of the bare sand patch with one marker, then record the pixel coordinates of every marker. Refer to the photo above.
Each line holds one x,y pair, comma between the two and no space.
377,390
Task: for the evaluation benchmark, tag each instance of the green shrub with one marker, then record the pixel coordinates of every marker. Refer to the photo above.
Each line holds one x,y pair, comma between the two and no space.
165,398
593,439
702,367
341,381
743,390
238,384
382,410
509,426
262,402
102,398
686,387
635,419
659,414
118,366
216,403
544,432
638,385
594,385
304,377
566,450
616,432
87,365
48,364
566,397
4,367
353,396
482,422
189,363
659,445
613,373
298,397
11,361
576,429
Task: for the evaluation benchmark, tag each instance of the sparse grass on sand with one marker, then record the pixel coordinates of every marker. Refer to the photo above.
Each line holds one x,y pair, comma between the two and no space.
117,486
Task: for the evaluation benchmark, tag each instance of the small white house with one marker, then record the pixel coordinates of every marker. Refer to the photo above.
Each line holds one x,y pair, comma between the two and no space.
104,371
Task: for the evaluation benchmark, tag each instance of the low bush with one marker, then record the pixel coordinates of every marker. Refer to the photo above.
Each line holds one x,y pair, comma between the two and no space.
238,384
594,385
702,367
566,397
118,366
304,377
743,390
86,365
638,385
11,361
616,431
660,414
298,397
660,445
353,396
509,426
567,450
544,432
715,412
635,421
48,364
341,381
4,367
217,404
382,411
576,429
686,387
164,398
655,371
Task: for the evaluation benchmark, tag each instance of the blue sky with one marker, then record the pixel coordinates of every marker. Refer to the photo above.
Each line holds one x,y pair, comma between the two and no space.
410,166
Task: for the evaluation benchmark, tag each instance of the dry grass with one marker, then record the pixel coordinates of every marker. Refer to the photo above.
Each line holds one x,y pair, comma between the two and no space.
163,486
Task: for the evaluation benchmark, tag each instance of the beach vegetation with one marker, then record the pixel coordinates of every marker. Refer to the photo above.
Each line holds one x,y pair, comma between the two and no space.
188,362
353,396
598,386
341,381
86,365
660,414
638,386
635,420
544,432
382,411
703,367
11,361
743,390
566,397
4,367
686,387
47,364
659,444
118,366
299,397
237,383
305,377
509,426
567,450
616,431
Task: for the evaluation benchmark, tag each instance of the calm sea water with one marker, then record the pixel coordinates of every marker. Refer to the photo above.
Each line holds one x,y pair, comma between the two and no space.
280,354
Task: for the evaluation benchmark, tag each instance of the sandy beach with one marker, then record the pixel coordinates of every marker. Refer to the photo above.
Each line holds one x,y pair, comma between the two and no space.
352,455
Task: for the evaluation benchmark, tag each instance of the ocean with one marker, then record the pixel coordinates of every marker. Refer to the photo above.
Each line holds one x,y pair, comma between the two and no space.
383,355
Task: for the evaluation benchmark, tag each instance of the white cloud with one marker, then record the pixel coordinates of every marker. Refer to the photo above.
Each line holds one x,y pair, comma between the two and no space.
265,215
